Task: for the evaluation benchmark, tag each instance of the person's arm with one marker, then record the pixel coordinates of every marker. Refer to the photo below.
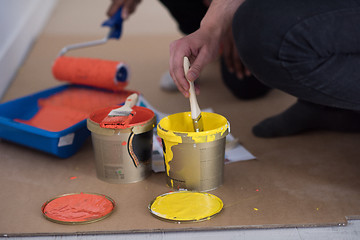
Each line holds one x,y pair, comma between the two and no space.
231,57
129,6
202,46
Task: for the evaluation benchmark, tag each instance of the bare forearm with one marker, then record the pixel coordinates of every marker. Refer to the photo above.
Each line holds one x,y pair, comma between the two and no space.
202,46
219,16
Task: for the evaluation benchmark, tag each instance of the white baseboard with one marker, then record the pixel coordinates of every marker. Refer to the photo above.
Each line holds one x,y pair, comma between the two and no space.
19,34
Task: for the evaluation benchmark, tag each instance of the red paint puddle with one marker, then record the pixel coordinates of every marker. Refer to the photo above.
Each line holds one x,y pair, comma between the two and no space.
78,207
67,108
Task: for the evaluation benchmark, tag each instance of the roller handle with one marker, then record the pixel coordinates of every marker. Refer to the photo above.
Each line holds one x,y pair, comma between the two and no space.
115,24
194,106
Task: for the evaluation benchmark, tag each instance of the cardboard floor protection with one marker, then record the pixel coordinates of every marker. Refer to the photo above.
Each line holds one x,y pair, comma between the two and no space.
310,179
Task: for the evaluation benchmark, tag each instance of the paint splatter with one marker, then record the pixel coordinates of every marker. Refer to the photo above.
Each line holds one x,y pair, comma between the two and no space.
123,143
255,209
72,178
257,190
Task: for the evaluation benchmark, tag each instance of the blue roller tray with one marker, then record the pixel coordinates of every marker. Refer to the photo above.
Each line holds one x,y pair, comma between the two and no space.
63,144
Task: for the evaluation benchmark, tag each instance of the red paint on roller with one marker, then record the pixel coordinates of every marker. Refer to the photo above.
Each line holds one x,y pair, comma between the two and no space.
88,71
78,207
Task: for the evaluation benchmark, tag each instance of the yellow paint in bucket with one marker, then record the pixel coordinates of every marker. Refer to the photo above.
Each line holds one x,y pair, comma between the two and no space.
194,160
186,206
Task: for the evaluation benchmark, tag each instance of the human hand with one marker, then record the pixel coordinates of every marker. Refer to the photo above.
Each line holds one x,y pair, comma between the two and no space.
231,56
201,47
129,6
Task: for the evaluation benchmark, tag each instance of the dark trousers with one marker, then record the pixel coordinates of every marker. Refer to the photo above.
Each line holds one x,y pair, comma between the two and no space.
187,13
307,48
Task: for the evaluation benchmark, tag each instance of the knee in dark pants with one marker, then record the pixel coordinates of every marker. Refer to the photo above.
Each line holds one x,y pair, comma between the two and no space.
258,28
248,30
285,45
247,88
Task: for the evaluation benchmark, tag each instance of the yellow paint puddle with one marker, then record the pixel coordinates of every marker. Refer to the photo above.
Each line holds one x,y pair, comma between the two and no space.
186,206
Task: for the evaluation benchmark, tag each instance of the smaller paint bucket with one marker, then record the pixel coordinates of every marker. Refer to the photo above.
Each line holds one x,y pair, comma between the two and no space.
123,155
194,160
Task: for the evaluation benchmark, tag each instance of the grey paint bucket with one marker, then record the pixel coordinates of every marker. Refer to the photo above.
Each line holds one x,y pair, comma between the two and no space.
194,160
123,155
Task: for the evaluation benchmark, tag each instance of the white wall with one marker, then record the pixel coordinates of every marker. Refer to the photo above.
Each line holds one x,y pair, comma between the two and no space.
20,23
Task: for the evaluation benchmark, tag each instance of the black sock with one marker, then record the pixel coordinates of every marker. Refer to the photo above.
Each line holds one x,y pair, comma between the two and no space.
305,116
247,88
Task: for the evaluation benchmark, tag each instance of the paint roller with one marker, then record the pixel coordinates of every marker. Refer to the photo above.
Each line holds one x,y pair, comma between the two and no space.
100,73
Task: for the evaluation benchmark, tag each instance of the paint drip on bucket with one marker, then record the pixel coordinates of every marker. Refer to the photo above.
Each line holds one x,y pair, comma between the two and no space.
194,160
